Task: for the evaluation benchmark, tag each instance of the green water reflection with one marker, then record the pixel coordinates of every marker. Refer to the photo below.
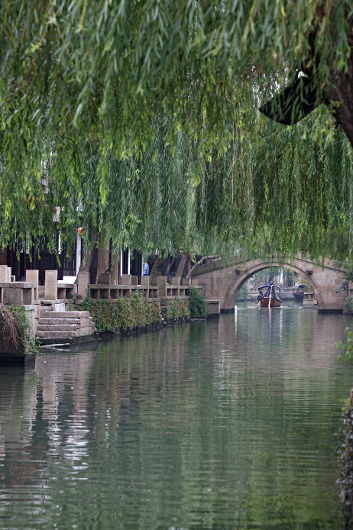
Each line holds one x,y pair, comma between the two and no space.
228,424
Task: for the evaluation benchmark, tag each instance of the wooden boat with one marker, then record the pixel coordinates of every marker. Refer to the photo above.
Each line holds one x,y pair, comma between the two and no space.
299,294
275,302
269,301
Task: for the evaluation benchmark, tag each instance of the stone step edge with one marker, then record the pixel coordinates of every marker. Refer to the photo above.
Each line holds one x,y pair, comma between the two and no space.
53,340
53,327
56,344
60,321
68,314
55,334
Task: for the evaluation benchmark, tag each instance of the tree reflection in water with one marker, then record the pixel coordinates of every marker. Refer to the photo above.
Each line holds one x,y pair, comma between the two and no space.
224,424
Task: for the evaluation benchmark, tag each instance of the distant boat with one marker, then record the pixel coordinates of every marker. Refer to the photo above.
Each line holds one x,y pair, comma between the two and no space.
264,299
299,294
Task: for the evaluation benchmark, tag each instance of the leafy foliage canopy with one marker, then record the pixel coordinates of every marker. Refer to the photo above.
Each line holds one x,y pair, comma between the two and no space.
138,119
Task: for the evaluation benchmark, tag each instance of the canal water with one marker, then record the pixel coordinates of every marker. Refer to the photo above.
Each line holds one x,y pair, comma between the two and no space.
225,424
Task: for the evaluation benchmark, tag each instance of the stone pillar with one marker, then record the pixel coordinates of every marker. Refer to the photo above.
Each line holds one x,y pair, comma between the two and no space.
5,295
51,285
125,279
5,273
83,278
162,284
28,293
145,281
15,297
31,317
33,277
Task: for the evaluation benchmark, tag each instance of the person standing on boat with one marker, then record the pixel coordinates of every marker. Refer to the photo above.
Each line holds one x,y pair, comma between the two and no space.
272,282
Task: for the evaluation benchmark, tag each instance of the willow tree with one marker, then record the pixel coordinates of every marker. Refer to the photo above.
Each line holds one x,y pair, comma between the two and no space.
75,73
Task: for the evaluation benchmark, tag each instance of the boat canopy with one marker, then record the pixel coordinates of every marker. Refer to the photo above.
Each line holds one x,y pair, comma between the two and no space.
265,287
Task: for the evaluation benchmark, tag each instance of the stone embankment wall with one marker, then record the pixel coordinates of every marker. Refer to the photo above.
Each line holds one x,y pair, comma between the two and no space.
113,307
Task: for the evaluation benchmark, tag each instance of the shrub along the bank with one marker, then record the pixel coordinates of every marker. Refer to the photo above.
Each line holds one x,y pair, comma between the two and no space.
129,313
16,329
345,463
197,303
348,306
120,314
174,309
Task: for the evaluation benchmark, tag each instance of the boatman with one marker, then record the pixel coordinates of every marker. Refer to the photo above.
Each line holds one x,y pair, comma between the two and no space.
272,282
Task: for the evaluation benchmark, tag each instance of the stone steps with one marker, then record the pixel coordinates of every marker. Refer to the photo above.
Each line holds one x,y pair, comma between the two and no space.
54,326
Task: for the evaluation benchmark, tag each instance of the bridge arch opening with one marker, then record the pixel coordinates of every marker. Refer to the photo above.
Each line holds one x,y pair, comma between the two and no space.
247,273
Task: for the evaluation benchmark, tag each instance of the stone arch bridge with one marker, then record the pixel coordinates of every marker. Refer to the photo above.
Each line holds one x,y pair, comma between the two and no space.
223,279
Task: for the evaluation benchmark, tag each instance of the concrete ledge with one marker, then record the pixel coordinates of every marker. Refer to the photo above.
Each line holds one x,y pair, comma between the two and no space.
17,285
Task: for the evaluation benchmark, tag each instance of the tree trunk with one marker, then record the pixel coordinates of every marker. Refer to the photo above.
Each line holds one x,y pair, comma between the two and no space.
188,266
182,264
155,266
86,263
103,258
200,263
169,266
114,273
342,93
